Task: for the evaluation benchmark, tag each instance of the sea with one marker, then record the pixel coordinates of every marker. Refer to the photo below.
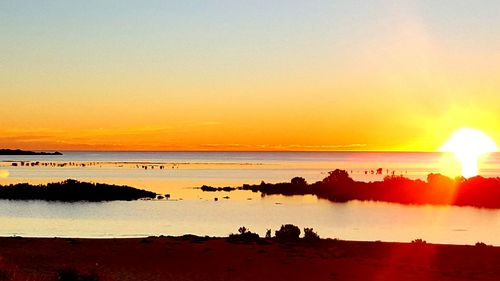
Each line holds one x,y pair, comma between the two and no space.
189,210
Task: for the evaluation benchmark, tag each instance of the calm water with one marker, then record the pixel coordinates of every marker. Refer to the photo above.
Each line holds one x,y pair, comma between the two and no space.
192,211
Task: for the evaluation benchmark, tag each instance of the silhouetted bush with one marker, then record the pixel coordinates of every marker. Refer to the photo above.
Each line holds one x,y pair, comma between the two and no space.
419,241
242,230
439,180
288,232
268,233
299,181
310,235
244,235
482,245
338,177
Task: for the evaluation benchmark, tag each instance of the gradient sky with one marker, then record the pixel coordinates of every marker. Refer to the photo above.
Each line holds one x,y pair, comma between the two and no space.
247,75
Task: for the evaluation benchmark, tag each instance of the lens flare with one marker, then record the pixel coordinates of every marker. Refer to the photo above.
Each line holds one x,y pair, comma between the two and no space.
468,145
4,174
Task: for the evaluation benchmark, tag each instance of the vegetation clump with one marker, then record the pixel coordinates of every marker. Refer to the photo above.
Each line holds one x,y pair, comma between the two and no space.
288,233
243,235
338,186
73,191
419,241
310,235
482,245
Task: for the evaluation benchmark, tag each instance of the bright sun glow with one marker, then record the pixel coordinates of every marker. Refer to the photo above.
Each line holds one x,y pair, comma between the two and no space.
468,145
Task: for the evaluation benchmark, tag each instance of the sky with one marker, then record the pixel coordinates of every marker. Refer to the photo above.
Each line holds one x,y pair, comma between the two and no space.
247,75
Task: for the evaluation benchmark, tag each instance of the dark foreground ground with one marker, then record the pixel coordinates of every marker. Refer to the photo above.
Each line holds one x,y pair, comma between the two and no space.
193,258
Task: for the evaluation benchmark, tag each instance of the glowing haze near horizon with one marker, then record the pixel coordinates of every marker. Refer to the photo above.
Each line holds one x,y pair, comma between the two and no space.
247,75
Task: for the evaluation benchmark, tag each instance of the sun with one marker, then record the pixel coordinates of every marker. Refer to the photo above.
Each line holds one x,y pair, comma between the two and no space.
468,145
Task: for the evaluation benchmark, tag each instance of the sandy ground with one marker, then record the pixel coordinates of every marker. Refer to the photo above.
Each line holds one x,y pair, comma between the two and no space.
191,258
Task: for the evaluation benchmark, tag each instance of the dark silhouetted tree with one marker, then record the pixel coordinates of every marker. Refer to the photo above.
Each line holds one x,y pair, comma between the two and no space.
310,235
242,230
338,177
288,232
299,181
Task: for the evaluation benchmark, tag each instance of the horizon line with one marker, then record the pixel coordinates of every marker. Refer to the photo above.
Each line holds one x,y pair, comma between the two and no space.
250,151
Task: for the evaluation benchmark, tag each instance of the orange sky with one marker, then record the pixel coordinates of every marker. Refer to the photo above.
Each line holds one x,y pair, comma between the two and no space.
343,76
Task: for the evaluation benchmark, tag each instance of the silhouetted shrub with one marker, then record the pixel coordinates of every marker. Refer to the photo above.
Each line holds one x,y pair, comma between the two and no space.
242,230
288,232
299,181
438,180
419,242
338,177
310,235
482,244
268,233
244,235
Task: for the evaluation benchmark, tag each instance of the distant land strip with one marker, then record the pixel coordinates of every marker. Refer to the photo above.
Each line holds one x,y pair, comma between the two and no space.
73,191
24,152
338,186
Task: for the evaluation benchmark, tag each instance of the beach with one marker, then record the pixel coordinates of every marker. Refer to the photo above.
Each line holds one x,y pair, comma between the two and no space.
199,258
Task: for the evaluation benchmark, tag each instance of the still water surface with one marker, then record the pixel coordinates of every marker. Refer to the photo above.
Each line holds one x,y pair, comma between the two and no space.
192,211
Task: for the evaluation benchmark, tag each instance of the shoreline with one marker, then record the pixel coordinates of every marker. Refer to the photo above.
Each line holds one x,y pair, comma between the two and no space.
207,237
192,257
